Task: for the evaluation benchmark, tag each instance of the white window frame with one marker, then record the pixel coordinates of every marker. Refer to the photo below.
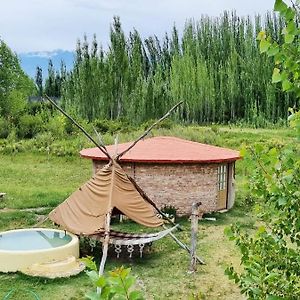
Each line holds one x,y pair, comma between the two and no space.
222,177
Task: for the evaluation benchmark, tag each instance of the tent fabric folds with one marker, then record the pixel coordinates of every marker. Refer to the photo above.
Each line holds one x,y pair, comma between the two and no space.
84,211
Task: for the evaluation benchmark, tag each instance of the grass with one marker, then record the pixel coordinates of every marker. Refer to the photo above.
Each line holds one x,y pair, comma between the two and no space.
32,180
39,180
162,273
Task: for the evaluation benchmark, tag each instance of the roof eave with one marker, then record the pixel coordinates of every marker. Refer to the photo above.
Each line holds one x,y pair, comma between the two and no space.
165,161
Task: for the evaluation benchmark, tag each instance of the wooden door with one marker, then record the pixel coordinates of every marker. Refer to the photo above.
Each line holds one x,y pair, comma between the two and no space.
222,187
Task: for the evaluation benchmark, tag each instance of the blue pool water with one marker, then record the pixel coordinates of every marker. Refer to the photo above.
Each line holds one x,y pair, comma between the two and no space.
33,240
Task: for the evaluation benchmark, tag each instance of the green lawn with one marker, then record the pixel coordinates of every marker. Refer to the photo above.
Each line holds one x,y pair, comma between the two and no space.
34,180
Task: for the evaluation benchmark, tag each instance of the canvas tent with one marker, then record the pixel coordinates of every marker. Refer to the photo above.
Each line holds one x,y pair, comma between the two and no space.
85,210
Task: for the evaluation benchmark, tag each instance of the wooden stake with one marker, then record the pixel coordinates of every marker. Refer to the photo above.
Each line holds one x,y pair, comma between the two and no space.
185,247
194,231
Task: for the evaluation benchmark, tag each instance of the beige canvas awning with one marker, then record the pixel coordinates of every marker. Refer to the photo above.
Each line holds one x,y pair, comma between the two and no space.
84,211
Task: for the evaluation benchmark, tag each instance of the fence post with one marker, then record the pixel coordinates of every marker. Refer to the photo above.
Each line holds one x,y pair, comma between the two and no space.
194,231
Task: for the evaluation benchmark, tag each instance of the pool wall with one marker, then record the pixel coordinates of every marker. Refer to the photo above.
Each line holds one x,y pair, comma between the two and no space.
18,260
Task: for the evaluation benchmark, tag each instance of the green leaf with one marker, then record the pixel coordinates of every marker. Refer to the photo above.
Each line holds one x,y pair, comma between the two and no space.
258,148
135,295
289,38
279,58
92,296
93,275
129,282
281,201
273,152
278,165
280,6
118,289
289,14
107,293
291,28
264,45
273,50
261,230
276,77
229,233
261,36
286,85
89,263
271,277
101,282
124,273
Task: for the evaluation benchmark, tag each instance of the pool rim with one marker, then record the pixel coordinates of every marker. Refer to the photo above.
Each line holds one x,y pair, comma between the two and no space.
72,242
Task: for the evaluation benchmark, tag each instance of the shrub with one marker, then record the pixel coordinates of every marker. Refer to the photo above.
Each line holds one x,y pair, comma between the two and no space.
43,141
69,128
35,108
4,128
56,126
170,211
29,126
111,126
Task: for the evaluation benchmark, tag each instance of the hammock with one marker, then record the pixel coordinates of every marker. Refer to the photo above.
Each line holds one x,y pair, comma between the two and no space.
119,239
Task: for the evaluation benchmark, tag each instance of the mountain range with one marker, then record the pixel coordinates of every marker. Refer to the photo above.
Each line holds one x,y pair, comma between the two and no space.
31,60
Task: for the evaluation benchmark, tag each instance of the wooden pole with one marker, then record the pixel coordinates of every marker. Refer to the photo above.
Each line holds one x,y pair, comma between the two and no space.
194,231
101,143
107,225
101,148
148,130
104,247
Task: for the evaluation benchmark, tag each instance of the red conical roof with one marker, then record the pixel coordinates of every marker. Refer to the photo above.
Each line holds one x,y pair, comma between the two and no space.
166,149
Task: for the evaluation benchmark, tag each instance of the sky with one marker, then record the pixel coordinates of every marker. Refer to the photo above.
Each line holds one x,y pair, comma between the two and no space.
47,25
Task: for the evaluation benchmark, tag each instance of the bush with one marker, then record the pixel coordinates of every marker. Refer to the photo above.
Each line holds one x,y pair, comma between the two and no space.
69,127
4,128
35,108
29,126
111,126
170,211
56,126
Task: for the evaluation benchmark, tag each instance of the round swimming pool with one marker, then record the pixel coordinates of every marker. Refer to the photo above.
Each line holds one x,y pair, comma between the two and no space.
21,248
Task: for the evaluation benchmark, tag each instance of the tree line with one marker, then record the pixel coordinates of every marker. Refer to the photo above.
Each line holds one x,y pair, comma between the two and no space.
215,67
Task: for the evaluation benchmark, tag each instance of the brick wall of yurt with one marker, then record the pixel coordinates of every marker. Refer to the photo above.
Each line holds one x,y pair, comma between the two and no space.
177,185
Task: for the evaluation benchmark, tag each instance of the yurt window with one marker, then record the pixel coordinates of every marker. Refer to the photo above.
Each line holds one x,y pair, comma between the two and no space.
222,178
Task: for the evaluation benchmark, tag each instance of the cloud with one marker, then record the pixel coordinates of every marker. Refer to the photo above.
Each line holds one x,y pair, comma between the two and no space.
43,25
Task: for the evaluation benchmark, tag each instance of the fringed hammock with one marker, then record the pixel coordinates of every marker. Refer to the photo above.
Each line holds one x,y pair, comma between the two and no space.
119,239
